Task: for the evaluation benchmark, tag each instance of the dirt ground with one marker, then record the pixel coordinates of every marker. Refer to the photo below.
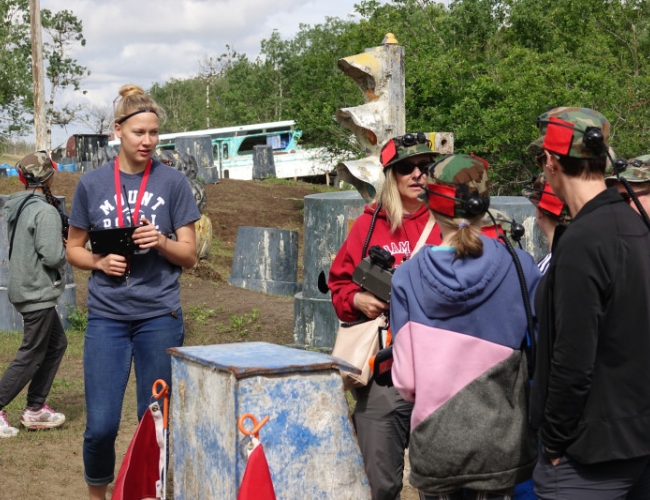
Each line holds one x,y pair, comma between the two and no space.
49,464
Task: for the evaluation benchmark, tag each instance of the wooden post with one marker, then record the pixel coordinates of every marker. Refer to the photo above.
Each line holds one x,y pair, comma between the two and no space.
38,75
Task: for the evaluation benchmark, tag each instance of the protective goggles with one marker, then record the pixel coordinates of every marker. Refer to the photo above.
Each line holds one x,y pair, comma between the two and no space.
408,140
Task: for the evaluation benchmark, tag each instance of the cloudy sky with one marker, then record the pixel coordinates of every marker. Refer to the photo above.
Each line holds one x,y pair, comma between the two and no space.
149,41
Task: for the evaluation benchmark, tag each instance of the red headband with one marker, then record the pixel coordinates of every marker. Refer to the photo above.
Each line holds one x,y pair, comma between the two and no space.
549,201
559,136
441,204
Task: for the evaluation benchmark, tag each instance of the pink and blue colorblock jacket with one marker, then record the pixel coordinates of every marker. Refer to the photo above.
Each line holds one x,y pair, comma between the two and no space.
459,326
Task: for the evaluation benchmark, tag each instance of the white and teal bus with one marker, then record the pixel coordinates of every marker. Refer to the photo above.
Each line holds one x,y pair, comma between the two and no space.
232,149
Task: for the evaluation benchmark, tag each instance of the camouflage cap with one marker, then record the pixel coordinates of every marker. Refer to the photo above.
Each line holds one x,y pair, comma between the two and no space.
456,179
35,168
541,195
563,131
406,146
638,170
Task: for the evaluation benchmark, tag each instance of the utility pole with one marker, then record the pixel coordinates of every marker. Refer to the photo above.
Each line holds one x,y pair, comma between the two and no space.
37,74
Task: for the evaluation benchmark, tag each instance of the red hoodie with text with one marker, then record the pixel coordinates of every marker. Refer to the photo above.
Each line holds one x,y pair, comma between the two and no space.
400,244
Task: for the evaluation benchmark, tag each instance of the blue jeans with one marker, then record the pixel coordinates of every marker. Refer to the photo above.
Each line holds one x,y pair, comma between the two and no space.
110,346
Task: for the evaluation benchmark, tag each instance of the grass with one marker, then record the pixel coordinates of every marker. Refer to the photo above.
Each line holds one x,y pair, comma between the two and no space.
10,159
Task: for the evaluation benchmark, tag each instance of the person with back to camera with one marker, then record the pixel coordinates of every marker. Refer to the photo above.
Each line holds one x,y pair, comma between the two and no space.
134,311
549,211
36,270
381,417
590,400
459,323
637,174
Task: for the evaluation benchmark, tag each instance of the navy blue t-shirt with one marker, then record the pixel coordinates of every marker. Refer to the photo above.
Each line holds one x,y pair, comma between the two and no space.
169,204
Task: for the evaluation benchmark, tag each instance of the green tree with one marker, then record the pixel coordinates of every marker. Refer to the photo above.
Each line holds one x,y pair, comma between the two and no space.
66,32
15,77
482,69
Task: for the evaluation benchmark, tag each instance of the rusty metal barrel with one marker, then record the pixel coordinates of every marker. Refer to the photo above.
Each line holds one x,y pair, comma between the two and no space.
200,147
263,162
328,217
266,260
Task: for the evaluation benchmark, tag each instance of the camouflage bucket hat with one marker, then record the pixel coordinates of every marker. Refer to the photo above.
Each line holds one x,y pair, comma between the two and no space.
541,195
456,179
638,170
570,132
35,168
406,146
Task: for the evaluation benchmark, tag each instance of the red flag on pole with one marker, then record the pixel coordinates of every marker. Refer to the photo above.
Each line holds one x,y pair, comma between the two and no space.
144,469
257,483
140,469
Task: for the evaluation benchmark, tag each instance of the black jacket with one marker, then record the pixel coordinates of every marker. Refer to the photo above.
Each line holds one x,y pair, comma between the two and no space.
591,392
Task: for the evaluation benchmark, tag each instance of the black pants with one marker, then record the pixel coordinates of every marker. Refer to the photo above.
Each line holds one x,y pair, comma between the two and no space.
38,359
382,420
467,495
570,480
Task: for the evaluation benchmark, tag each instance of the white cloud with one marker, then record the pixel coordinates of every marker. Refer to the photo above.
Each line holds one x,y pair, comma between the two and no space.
149,41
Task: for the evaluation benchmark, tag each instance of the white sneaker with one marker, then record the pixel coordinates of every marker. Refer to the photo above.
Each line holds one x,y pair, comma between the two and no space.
6,430
45,418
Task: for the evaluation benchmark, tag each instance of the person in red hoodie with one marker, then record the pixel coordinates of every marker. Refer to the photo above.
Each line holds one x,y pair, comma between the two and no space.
395,220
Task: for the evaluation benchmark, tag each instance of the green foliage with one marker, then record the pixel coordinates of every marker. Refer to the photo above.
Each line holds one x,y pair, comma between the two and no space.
78,319
65,32
15,53
200,314
482,69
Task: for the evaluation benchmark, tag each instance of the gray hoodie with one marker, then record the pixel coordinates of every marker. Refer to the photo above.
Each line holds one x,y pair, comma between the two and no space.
38,256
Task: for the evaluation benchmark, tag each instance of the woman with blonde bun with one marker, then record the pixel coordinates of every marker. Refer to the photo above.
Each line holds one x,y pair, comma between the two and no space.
134,312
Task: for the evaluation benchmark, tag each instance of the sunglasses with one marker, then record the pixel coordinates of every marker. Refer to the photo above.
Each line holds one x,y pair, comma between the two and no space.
627,198
408,168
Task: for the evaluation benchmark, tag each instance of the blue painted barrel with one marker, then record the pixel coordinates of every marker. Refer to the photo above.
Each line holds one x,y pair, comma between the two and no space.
266,260
309,440
8,171
263,162
10,319
328,218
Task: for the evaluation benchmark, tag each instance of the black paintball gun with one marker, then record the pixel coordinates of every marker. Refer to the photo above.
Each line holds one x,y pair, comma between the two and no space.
375,272
116,240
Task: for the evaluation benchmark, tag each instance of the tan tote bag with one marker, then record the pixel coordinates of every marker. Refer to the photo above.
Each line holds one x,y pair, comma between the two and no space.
356,343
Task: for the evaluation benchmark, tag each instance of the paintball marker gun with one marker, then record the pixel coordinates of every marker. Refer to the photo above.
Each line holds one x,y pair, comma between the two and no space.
375,272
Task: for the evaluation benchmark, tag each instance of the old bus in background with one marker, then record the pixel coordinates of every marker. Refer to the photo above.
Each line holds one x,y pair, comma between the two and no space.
233,149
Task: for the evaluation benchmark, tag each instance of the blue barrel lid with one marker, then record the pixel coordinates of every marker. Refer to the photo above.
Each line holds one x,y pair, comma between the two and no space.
247,359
